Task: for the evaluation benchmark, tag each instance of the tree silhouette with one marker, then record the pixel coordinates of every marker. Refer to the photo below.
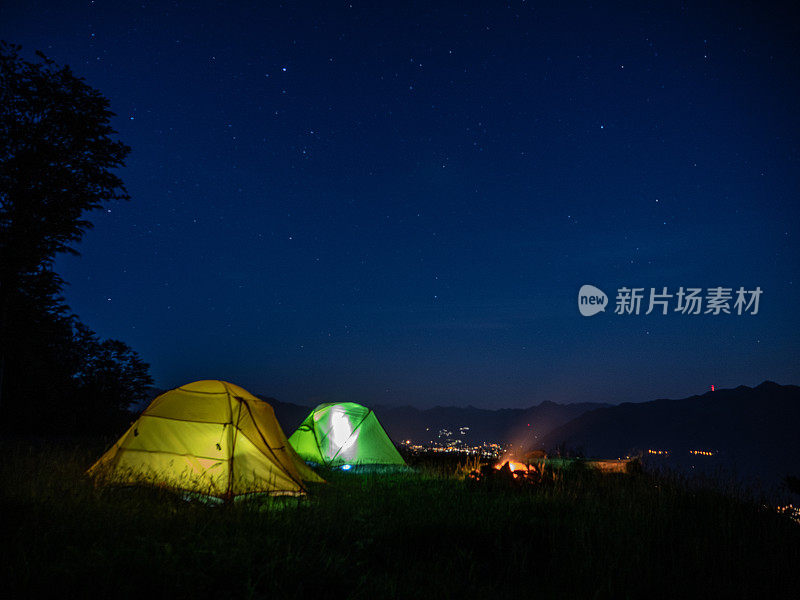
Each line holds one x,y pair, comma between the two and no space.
57,158
110,377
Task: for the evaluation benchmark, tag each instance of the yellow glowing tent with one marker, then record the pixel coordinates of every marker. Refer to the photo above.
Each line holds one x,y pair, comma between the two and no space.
210,437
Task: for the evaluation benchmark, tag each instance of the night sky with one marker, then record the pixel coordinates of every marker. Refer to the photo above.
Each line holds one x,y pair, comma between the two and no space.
396,204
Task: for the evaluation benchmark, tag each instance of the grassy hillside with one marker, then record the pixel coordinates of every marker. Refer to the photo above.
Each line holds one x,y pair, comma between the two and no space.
417,535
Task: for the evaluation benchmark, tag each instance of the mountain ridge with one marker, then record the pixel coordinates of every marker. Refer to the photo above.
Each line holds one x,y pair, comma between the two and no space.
754,431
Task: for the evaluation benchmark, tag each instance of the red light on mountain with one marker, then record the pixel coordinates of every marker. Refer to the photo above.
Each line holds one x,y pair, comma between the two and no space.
712,387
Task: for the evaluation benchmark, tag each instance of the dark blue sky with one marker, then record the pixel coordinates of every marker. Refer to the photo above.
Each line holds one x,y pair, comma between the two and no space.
398,204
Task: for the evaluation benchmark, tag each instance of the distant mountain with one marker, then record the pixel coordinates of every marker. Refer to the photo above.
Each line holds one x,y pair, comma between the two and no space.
514,425
470,424
754,431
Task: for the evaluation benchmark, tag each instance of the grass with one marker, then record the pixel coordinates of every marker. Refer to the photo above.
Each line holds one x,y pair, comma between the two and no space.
422,534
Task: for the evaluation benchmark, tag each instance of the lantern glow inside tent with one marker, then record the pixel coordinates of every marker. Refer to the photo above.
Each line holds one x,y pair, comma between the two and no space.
344,434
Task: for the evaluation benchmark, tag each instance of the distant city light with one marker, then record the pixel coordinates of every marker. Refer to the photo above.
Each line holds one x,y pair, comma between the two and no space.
456,446
793,512
346,467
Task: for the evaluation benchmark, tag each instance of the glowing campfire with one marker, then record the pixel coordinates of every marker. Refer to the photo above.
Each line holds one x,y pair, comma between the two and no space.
513,465
534,469
507,471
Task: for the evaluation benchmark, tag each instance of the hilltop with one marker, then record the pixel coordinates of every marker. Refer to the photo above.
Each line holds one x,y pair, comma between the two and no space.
752,431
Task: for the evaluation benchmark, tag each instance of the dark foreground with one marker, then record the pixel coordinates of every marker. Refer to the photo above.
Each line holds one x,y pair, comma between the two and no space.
416,535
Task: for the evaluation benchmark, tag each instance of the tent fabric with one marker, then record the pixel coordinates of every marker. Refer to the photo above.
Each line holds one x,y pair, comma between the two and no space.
210,437
344,433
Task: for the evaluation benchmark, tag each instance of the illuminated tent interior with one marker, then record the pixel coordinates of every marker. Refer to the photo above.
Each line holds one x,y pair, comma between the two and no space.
209,437
344,434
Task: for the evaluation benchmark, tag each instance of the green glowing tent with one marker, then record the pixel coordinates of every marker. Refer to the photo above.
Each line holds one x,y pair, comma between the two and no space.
344,434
